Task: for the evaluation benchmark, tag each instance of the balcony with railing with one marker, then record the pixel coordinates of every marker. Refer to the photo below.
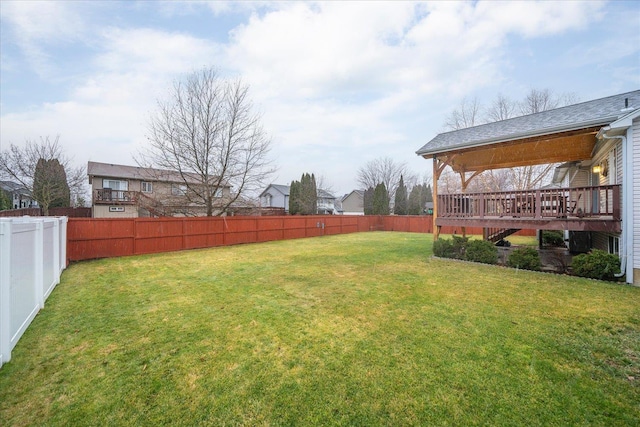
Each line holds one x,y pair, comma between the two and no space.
579,208
107,196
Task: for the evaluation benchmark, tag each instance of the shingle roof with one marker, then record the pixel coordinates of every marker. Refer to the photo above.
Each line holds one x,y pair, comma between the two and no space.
598,112
135,172
325,194
13,187
285,189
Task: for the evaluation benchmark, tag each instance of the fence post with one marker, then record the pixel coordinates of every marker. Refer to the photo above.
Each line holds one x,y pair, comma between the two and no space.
38,261
63,244
56,250
5,291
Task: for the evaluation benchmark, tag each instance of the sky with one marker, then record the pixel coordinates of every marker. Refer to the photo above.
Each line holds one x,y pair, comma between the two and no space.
338,84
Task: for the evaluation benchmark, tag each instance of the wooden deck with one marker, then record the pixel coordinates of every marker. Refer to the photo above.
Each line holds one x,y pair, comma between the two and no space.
575,209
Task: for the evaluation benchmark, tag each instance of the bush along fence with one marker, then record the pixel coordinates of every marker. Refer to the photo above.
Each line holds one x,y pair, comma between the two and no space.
32,257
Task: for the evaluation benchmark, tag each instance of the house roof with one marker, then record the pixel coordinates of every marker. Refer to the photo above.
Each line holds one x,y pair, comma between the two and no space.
325,194
598,112
359,193
12,187
285,189
109,170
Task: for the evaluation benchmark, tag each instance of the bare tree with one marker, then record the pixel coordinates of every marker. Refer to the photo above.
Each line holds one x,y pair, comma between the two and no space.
322,183
208,133
543,100
449,182
466,115
20,164
502,108
384,170
538,100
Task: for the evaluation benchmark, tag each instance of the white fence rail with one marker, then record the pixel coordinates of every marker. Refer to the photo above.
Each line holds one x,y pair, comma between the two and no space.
32,256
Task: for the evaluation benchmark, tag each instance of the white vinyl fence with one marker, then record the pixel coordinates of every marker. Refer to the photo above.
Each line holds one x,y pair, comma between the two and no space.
32,256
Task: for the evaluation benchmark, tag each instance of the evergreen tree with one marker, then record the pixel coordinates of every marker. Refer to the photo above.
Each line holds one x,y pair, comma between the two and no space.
50,187
429,195
380,200
415,198
294,198
303,196
5,201
305,190
313,195
368,201
400,206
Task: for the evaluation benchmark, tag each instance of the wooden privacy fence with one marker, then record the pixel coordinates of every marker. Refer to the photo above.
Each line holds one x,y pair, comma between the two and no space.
106,238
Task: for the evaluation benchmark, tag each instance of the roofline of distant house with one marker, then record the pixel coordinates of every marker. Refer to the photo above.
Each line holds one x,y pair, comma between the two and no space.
157,175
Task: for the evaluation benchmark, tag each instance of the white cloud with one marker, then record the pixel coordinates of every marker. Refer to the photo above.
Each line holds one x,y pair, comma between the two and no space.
106,113
35,25
339,83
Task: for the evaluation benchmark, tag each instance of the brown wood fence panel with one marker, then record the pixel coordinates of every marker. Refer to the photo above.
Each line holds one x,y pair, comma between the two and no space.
104,238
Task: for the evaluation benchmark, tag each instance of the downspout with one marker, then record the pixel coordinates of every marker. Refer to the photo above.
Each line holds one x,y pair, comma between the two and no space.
626,216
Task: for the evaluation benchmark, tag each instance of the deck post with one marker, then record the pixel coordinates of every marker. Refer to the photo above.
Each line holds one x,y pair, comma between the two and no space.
436,175
464,184
616,203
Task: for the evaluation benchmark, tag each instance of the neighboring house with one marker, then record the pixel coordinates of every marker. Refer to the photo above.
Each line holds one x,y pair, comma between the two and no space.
20,196
277,196
120,191
353,203
595,196
326,203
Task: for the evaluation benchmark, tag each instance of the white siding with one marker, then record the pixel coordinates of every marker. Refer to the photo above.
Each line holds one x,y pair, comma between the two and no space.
636,198
619,160
580,179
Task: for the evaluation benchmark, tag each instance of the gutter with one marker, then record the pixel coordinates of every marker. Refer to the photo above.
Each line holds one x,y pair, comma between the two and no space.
626,199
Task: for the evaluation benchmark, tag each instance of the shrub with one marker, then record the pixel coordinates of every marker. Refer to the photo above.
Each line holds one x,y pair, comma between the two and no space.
443,248
524,258
552,238
450,248
596,264
481,251
459,246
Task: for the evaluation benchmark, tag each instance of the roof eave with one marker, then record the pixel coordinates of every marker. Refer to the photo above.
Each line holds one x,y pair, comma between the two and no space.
515,137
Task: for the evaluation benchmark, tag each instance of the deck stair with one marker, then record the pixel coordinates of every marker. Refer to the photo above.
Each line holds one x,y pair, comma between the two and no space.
151,205
496,234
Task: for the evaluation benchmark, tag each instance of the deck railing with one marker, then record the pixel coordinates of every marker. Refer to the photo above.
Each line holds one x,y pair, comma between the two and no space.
109,196
548,203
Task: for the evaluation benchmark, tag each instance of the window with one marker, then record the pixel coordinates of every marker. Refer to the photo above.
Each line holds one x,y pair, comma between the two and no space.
614,245
179,190
115,189
218,192
115,184
147,187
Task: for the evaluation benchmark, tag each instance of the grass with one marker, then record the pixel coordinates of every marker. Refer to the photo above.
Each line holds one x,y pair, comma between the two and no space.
360,329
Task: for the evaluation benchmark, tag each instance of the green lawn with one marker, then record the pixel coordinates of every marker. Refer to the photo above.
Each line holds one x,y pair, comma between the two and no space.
360,329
